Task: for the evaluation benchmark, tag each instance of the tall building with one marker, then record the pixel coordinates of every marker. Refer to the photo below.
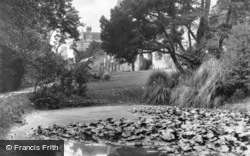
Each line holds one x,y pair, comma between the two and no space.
86,38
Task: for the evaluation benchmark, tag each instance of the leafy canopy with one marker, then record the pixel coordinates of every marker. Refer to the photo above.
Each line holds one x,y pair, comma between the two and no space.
149,25
26,27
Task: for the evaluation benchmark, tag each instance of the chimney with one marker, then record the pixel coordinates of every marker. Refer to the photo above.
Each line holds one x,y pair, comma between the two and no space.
89,29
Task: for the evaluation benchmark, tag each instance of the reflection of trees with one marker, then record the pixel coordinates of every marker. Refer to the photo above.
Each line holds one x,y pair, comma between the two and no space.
89,150
131,151
110,151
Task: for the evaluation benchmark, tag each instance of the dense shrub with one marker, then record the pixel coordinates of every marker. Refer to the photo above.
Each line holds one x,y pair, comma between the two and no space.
81,74
12,69
46,68
159,86
68,91
236,61
45,98
106,76
221,79
201,89
238,95
58,96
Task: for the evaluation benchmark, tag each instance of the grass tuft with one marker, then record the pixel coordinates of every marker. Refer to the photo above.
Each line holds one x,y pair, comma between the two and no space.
202,89
158,87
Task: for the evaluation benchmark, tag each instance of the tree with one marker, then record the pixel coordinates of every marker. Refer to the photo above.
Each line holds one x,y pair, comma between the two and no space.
46,68
12,69
236,59
157,25
26,27
119,38
58,16
224,16
93,49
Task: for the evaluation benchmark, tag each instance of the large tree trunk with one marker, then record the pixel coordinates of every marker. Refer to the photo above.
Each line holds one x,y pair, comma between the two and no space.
36,85
178,66
203,26
189,40
1,73
223,37
133,66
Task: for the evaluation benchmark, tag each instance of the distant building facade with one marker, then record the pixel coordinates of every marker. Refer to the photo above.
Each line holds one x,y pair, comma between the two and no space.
86,38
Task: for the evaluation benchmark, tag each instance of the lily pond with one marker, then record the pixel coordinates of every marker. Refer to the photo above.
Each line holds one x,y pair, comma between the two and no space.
148,130
160,130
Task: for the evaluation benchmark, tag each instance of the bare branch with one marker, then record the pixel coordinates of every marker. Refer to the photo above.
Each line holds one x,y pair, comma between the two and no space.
181,46
189,40
191,32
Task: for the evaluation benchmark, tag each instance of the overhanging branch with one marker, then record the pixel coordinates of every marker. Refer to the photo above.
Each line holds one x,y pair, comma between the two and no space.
191,32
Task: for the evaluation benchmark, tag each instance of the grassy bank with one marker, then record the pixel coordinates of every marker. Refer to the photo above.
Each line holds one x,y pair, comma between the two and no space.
123,87
12,108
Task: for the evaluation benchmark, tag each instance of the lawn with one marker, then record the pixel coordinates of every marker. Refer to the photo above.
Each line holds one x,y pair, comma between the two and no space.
123,87
122,80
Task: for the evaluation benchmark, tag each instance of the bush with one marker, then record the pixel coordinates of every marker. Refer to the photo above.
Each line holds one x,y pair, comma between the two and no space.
219,80
201,88
45,68
106,76
236,61
12,69
238,95
159,86
69,90
46,98
53,98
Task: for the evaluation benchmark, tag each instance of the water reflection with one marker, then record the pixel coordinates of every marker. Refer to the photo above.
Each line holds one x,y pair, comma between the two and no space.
77,149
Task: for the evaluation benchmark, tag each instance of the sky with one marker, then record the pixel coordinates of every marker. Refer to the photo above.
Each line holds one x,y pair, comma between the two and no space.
91,11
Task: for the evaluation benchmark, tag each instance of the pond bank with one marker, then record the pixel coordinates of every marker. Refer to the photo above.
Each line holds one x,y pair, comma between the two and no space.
12,108
69,115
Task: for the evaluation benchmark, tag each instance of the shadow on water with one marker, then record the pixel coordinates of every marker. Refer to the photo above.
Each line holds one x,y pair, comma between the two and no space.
77,149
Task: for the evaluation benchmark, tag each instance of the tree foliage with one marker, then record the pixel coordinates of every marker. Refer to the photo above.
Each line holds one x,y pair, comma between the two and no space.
153,25
26,27
144,26
223,17
118,36
46,68
68,91
12,69
93,49
236,59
